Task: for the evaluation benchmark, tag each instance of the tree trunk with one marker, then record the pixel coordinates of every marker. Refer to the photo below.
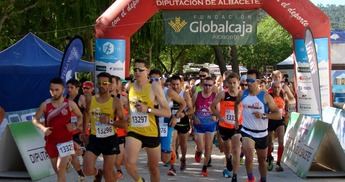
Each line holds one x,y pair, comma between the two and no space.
220,58
234,59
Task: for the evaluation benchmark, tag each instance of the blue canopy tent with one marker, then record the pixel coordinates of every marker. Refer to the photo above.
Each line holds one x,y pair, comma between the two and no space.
25,71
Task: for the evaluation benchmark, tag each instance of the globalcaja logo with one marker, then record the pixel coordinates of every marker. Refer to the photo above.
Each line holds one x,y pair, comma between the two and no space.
177,24
108,48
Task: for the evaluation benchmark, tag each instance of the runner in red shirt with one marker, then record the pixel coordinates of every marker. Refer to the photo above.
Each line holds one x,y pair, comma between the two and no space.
57,127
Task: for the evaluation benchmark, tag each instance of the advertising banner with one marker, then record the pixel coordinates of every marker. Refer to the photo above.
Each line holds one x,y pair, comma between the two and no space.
110,56
314,68
307,104
30,144
210,27
302,139
73,52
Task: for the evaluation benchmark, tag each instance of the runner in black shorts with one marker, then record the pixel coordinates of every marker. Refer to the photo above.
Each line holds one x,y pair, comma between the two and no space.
182,128
101,112
277,126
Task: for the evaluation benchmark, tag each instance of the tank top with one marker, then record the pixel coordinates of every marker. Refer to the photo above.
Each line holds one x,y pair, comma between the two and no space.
99,110
141,122
202,106
57,119
185,120
280,103
256,127
227,111
121,132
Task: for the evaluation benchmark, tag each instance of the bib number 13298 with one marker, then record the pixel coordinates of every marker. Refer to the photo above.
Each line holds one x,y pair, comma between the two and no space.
65,149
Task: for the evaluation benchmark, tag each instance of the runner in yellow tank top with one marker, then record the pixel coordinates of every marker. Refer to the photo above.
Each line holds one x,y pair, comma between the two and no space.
143,130
142,123
100,113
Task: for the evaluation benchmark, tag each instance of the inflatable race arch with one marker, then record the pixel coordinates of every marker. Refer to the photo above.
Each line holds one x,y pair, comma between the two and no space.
123,18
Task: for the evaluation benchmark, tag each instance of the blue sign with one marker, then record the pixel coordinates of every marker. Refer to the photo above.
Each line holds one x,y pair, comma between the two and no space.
301,54
70,59
321,45
110,50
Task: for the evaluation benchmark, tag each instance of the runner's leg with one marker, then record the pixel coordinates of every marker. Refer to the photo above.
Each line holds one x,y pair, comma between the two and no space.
132,150
153,156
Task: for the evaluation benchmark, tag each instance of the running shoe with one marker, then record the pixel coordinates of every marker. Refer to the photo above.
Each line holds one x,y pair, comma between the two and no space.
251,180
172,172
226,173
279,168
234,178
270,163
204,172
98,177
183,164
197,156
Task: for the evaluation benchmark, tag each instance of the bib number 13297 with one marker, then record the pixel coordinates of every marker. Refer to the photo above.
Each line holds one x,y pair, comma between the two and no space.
140,120
65,149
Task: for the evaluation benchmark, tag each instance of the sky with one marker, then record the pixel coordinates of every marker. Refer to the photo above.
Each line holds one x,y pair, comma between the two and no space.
325,2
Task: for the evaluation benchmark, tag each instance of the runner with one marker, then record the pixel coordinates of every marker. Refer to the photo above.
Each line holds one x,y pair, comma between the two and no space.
226,126
166,125
182,127
143,130
204,124
121,132
100,111
57,127
73,95
255,103
277,126
88,88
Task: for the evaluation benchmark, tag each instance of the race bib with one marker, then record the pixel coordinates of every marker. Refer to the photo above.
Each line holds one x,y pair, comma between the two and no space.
104,130
140,119
230,116
65,149
163,127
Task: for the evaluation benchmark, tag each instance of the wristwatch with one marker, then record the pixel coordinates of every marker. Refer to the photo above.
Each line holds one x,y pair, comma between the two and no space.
149,110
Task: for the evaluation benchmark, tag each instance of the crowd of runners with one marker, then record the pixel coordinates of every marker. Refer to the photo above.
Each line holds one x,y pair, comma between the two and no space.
243,114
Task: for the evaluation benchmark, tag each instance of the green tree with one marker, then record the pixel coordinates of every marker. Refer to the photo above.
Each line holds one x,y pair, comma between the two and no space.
273,45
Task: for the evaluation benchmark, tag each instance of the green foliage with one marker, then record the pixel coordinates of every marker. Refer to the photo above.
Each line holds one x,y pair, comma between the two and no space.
273,45
53,21
336,14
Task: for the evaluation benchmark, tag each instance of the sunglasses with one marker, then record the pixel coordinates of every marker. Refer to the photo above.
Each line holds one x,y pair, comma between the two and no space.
155,79
243,84
138,69
250,80
104,83
86,88
208,85
202,76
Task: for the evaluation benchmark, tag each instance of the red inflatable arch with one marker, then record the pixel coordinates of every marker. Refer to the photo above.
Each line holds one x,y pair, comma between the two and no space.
125,17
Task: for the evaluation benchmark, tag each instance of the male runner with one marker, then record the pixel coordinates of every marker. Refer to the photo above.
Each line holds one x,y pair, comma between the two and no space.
182,128
101,112
2,114
143,130
79,99
277,126
204,124
57,127
121,132
226,126
255,103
